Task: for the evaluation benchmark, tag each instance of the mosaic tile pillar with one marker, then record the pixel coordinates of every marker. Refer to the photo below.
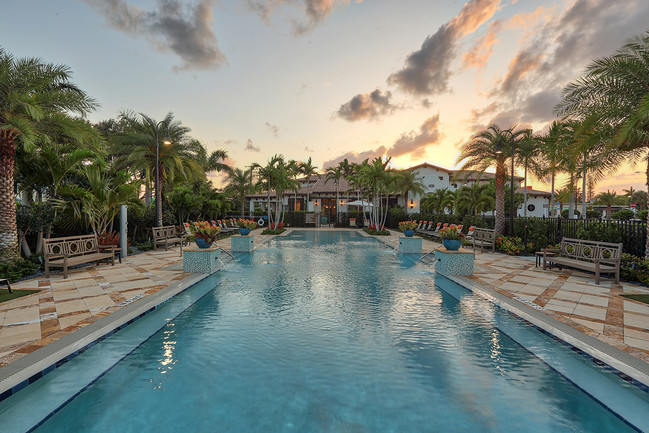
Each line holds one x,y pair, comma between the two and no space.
201,260
242,244
458,262
409,245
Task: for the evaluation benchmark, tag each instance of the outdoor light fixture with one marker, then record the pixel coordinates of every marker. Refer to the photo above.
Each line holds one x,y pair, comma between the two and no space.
158,201
412,203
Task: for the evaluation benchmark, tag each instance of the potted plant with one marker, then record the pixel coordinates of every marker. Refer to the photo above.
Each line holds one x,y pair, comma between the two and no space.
408,228
205,233
245,226
451,239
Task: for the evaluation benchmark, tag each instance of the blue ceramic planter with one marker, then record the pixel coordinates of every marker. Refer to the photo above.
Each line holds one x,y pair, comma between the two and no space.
244,231
200,243
452,244
408,233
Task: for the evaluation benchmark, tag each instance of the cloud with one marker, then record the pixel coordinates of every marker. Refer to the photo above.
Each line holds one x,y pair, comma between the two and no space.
310,12
367,106
428,70
415,142
185,30
250,147
273,129
560,42
356,157
479,54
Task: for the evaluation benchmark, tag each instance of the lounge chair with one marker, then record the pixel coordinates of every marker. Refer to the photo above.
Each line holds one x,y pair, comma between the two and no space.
435,234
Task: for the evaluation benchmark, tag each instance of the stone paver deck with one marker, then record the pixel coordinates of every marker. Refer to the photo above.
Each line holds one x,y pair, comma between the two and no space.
64,306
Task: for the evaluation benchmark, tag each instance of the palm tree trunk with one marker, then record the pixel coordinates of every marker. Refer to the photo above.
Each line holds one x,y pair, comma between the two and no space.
646,253
583,196
552,213
571,200
8,227
525,191
500,199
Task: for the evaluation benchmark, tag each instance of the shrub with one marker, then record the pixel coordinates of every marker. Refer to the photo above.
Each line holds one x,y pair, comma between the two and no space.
109,238
512,246
593,214
273,231
623,214
634,268
566,212
642,215
276,226
19,268
145,246
373,232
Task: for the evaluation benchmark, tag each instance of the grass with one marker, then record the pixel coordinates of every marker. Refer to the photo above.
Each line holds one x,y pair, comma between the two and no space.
5,295
641,298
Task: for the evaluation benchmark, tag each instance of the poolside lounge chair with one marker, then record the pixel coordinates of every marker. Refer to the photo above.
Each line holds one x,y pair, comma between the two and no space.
225,228
435,234
469,234
429,230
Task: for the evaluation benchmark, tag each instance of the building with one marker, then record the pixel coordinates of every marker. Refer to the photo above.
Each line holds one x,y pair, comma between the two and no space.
318,194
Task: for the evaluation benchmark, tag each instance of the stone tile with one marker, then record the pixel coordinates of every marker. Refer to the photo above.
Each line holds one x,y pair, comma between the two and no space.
139,284
636,307
85,282
64,322
98,302
567,296
63,295
591,312
24,301
637,343
636,320
594,300
522,279
94,290
595,326
10,335
63,284
71,307
21,315
561,306
639,335
532,289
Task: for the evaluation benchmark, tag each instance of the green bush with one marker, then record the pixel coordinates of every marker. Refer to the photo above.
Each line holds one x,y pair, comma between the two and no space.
593,214
473,220
273,232
634,268
512,246
642,215
19,268
377,232
145,245
623,214
566,212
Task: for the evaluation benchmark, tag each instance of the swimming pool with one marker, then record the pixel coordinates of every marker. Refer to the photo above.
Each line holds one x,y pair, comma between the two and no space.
325,332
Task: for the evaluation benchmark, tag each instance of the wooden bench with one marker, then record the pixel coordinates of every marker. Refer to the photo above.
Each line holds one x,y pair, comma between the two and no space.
485,238
167,235
593,256
75,250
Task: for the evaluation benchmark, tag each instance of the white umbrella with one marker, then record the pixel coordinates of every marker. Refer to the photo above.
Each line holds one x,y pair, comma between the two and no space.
359,203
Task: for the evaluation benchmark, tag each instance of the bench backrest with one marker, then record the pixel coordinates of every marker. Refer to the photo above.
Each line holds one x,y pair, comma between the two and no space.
580,249
70,246
164,232
484,234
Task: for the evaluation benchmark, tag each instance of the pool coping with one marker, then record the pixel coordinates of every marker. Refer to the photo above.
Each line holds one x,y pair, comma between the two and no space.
31,367
624,363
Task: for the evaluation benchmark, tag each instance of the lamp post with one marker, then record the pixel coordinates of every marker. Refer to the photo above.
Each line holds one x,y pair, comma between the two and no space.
158,200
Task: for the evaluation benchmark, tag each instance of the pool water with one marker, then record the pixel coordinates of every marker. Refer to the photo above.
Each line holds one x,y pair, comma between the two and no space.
333,332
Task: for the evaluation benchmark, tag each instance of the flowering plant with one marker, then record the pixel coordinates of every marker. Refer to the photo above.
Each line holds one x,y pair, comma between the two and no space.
450,233
276,226
206,231
108,238
407,225
246,224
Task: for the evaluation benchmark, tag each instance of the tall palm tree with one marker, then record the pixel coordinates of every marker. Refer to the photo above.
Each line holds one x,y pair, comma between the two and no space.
335,174
616,89
438,201
527,155
240,185
308,169
491,148
550,158
629,193
609,199
408,182
34,99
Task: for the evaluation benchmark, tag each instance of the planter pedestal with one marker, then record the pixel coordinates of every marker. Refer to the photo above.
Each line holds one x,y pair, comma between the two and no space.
201,260
409,245
242,244
458,262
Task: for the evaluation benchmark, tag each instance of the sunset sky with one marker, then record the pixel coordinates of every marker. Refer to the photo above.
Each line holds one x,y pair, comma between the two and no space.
329,79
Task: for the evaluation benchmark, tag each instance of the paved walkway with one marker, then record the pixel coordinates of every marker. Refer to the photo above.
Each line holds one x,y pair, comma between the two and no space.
64,306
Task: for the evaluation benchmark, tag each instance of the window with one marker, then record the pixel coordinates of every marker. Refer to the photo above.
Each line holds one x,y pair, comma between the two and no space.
531,207
455,185
430,185
441,177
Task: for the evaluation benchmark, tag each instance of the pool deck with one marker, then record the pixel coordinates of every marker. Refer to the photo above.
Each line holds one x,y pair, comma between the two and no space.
91,293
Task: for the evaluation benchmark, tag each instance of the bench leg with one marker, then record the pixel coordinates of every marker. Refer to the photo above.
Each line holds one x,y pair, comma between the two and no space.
65,267
597,273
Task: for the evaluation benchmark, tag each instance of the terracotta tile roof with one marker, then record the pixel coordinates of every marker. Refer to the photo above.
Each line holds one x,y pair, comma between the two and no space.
531,191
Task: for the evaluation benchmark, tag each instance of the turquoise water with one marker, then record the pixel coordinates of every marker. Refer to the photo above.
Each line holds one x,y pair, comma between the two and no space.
332,332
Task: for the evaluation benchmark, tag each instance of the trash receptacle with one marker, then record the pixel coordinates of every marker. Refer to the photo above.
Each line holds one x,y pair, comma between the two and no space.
352,222
323,221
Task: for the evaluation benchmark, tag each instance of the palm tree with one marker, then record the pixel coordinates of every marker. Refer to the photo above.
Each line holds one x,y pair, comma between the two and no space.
475,198
437,201
616,90
34,99
487,149
527,154
549,160
609,199
629,193
335,174
377,180
407,181
239,186
212,162
308,169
